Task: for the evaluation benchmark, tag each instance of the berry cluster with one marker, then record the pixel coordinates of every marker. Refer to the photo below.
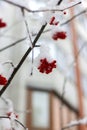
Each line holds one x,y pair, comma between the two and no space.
2,24
53,22
9,114
46,67
3,80
59,35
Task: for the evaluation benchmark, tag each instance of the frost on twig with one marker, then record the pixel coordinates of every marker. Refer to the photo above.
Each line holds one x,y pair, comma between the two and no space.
24,5
76,123
10,120
18,3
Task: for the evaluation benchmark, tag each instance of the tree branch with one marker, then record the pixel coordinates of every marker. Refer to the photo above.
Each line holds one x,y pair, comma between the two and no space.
20,124
22,60
59,2
17,5
43,10
61,105
14,120
13,44
75,16
29,38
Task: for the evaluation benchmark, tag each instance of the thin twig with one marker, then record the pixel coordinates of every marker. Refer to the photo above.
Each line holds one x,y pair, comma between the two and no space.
22,60
11,2
47,30
67,127
20,40
4,100
55,10
75,16
59,2
17,5
64,83
61,105
4,117
26,24
8,36
14,120
13,44
42,11
18,111
82,121
28,32
72,5
9,62
20,124
80,50
37,11
37,45
66,22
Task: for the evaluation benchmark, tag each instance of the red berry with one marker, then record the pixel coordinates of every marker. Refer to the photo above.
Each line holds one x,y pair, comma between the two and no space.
52,20
3,80
56,23
16,115
2,24
59,35
8,114
46,67
64,12
55,37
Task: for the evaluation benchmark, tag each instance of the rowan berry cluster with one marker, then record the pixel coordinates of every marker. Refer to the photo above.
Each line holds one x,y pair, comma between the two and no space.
46,67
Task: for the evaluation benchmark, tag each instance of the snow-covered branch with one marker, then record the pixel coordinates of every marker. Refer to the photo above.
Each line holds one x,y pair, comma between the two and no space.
76,123
24,5
22,60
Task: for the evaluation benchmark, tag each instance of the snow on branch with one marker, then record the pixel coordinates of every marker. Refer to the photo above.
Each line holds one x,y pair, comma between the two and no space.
76,123
7,122
24,5
22,59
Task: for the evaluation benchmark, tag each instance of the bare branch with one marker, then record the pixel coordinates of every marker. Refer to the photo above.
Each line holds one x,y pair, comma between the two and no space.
9,62
43,10
4,117
80,50
28,111
82,121
59,2
26,24
14,120
13,44
67,127
75,16
28,32
61,105
22,60
17,5
20,124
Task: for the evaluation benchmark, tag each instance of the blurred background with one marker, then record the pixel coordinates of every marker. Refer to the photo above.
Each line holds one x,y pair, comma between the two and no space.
56,99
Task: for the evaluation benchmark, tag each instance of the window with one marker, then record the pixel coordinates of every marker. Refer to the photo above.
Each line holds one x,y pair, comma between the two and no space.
40,110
